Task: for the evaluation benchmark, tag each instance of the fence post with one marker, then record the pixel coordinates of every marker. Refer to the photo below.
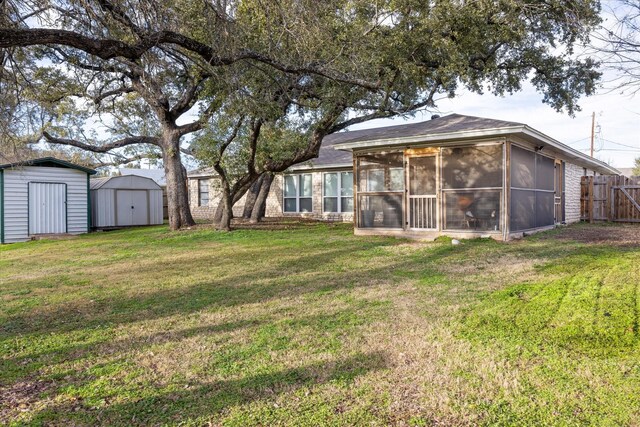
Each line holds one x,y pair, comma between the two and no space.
591,196
612,200
607,202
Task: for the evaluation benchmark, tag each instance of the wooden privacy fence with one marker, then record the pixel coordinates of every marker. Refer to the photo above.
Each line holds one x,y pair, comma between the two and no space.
610,198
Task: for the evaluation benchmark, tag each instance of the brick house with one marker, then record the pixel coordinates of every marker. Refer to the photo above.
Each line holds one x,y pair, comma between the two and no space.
455,175
319,189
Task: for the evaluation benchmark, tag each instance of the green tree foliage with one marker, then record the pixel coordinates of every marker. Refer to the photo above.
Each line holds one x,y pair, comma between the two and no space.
260,83
352,61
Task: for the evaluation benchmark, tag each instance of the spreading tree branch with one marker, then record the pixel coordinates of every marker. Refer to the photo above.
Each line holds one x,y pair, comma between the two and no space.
105,148
110,48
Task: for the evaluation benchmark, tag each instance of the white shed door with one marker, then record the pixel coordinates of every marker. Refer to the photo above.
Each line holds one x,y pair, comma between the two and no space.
47,208
132,207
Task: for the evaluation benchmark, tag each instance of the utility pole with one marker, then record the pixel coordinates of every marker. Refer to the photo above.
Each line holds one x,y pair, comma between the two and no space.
593,130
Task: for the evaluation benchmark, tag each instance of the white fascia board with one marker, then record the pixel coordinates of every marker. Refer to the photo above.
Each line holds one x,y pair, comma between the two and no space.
203,175
485,133
570,152
321,167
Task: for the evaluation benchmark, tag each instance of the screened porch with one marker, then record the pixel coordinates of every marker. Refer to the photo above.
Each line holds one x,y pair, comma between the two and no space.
457,190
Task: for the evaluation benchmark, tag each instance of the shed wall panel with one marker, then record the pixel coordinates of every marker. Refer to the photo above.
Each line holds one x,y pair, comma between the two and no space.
16,196
155,207
105,204
103,207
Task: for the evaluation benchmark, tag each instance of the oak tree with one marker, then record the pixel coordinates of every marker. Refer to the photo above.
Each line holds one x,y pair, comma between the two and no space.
261,83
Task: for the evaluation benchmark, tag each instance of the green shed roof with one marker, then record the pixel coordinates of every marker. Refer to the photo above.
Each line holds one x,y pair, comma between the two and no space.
50,162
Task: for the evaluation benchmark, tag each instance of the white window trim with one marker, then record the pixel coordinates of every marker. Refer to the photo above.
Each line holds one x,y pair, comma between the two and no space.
339,191
297,185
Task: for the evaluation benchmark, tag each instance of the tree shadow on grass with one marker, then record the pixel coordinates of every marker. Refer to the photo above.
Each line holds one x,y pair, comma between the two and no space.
205,401
277,281
308,273
28,364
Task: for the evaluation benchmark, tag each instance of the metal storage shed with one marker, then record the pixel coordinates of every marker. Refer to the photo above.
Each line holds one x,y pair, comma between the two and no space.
43,196
122,201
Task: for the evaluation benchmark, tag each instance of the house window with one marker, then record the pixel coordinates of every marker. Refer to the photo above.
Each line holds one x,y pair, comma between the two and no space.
203,192
297,193
338,192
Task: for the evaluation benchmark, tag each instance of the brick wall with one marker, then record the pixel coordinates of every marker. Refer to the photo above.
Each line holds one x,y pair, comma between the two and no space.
572,176
275,202
207,212
274,206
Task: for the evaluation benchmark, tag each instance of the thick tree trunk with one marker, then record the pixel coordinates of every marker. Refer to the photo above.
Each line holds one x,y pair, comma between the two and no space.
177,193
252,195
235,196
260,205
226,205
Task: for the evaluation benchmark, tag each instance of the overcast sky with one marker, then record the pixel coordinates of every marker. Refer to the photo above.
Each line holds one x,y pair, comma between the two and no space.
617,120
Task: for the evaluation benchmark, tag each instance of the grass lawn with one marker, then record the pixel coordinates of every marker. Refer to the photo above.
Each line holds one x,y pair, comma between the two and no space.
313,326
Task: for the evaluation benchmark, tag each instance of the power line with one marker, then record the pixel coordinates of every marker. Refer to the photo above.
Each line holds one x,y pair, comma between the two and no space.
619,143
579,140
635,150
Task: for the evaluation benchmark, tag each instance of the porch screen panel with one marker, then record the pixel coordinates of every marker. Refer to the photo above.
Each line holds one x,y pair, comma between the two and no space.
545,173
380,190
472,179
544,209
422,175
523,168
523,209
381,211
532,190
472,210
472,167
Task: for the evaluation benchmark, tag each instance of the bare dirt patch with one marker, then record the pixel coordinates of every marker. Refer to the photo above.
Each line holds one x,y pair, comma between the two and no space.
614,235
20,397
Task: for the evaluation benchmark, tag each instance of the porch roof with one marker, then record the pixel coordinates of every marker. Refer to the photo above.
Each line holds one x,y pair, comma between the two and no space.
457,127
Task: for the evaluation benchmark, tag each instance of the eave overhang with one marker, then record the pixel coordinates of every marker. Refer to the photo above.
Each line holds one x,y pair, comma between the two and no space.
523,131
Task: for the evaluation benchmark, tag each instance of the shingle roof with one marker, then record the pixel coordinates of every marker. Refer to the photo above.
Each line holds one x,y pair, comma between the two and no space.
440,125
452,123
204,171
329,156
